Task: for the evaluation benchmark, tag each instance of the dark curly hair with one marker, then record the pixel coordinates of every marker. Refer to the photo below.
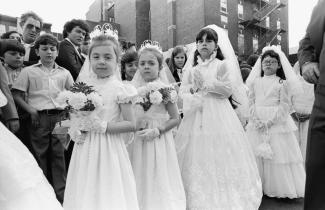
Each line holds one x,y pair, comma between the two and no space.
272,54
128,57
70,25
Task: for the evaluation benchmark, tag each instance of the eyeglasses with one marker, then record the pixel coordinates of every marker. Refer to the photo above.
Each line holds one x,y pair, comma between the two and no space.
31,26
269,62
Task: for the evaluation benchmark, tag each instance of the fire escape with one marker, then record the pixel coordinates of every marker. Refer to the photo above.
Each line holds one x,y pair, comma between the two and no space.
257,22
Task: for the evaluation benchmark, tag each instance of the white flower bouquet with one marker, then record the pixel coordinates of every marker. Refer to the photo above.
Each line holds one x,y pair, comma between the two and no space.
83,102
155,93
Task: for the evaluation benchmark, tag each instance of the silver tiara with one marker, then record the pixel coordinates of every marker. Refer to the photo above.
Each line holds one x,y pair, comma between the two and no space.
106,29
148,44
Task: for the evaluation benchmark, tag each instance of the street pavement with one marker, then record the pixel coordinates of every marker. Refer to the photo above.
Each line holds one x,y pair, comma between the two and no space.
281,204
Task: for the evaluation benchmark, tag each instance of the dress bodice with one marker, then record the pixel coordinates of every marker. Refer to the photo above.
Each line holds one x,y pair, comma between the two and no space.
268,90
113,92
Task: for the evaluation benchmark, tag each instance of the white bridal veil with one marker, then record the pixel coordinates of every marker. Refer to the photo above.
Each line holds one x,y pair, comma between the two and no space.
238,87
292,80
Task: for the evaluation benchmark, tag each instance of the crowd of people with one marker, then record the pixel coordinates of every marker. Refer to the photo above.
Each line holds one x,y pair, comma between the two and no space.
196,130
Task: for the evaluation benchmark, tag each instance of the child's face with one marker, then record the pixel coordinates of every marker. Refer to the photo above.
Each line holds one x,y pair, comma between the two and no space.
148,66
205,47
47,53
103,61
15,36
131,68
270,65
179,60
13,58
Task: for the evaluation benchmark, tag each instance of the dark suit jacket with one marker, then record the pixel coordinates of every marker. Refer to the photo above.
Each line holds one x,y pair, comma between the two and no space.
8,111
69,59
33,58
312,46
312,49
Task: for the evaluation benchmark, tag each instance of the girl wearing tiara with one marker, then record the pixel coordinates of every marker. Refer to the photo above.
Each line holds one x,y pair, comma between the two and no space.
100,175
217,164
271,129
153,155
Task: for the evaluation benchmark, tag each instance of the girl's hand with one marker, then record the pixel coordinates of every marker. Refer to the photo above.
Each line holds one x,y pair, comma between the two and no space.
198,79
149,134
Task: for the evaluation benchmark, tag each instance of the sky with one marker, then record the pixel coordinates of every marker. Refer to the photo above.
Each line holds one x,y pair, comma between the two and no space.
57,12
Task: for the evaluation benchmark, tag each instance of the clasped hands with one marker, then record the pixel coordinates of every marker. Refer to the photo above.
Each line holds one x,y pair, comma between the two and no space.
262,126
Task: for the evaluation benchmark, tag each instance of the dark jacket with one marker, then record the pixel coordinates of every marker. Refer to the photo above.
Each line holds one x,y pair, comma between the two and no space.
69,59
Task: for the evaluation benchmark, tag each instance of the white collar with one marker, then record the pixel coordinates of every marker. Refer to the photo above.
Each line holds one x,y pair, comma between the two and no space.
207,61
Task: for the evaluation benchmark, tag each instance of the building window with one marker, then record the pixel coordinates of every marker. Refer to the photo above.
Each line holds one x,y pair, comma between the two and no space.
267,22
224,21
2,29
278,24
241,44
279,38
12,28
255,44
240,11
223,6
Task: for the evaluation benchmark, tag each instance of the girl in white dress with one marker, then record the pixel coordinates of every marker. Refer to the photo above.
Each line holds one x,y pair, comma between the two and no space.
302,105
152,154
271,129
217,164
100,175
22,183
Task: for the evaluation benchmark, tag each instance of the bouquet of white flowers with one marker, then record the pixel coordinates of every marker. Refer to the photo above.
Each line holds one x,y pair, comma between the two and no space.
83,102
155,93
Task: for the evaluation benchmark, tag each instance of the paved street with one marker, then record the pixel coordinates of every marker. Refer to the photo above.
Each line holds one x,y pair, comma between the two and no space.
281,204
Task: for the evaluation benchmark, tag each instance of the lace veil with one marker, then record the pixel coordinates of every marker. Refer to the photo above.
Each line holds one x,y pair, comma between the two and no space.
238,87
292,79
86,73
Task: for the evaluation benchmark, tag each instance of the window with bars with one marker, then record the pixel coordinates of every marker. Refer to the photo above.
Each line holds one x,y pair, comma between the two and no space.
255,44
224,21
278,24
223,6
241,43
240,11
267,22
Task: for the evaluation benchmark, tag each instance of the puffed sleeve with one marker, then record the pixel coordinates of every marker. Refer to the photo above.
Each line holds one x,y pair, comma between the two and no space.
221,84
125,93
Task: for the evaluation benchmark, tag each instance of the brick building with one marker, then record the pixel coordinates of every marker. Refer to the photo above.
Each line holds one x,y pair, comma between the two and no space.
100,12
134,19
251,24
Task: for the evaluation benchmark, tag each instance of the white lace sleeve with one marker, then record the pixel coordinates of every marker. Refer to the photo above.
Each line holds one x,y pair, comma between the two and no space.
221,84
191,102
251,98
